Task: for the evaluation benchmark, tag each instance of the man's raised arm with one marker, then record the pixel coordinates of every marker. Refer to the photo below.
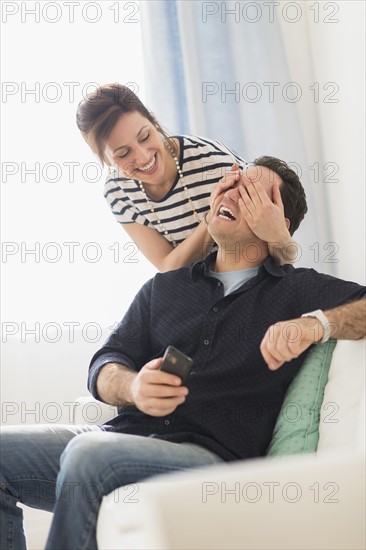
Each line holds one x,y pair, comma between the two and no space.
286,340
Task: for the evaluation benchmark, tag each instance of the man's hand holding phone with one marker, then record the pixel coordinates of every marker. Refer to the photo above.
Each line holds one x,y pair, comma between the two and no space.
156,392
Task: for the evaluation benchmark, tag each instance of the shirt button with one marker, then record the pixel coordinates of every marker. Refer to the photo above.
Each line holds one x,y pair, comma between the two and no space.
216,309
206,342
166,422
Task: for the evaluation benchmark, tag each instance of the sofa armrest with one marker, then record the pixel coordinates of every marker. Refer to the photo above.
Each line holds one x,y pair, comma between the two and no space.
282,503
342,414
87,410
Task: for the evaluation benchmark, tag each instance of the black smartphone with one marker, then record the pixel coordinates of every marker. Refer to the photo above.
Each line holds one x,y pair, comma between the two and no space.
176,362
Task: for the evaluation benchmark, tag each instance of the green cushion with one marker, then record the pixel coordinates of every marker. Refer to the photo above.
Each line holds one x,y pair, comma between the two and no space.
297,427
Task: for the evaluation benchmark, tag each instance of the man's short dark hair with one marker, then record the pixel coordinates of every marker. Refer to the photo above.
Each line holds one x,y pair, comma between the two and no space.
292,191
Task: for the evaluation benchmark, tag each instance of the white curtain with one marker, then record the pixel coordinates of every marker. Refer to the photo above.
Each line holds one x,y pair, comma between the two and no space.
271,81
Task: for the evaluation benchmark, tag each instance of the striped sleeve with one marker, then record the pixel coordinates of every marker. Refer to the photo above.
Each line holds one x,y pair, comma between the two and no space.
117,192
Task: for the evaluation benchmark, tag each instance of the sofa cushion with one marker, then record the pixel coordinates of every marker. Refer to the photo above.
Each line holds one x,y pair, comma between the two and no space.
297,427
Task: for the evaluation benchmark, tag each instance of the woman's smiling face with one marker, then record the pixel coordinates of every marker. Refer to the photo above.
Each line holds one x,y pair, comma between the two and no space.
137,148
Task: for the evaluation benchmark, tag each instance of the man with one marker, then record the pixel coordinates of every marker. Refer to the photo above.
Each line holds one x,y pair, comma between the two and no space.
238,315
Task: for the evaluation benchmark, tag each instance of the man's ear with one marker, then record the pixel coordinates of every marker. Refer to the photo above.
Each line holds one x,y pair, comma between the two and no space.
288,223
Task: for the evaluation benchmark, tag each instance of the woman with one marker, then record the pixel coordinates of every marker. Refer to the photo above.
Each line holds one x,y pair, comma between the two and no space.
159,186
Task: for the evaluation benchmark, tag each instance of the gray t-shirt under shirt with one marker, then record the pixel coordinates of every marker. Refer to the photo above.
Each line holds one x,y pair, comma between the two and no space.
232,280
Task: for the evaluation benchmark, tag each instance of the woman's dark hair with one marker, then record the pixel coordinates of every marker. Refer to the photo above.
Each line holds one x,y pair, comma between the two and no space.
98,113
292,192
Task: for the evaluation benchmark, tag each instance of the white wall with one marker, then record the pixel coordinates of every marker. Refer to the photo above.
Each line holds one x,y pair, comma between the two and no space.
72,208
327,47
338,53
47,68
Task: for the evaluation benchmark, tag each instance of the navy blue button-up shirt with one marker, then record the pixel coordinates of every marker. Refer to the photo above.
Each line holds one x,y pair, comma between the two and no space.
234,399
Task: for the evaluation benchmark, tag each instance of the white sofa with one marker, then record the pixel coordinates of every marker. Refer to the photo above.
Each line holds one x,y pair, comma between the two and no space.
189,510
314,501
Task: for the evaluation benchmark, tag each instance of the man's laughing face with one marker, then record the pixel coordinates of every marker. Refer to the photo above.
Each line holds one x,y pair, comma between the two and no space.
228,222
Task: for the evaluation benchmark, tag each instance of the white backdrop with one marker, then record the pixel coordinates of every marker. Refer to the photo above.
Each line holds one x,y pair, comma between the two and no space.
63,202
336,54
59,301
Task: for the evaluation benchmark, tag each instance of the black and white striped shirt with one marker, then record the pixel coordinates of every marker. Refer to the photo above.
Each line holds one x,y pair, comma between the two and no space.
203,163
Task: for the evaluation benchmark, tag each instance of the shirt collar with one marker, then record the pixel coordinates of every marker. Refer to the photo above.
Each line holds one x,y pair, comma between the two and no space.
274,269
201,268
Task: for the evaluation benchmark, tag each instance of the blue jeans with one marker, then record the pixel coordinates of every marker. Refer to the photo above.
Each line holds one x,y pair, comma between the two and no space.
68,469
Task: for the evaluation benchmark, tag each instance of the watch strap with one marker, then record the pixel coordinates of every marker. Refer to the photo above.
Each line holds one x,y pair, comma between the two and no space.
320,315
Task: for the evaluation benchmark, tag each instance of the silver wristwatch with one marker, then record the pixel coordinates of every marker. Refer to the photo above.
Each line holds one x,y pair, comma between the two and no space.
319,314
